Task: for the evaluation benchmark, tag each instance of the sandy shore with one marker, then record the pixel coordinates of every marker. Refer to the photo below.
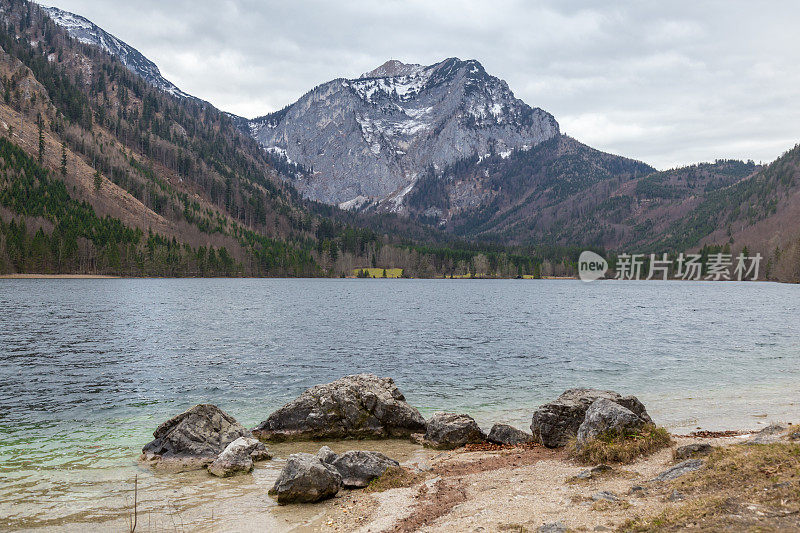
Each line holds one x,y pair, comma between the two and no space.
516,490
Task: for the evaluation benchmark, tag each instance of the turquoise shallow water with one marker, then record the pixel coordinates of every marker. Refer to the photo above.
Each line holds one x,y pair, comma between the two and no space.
89,368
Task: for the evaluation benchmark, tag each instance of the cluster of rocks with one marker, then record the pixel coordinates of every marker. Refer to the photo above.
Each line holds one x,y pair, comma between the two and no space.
205,436
308,478
366,406
585,414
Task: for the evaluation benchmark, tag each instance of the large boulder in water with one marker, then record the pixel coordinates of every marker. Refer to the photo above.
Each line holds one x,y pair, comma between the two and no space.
238,457
605,416
306,479
194,438
358,406
449,430
554,423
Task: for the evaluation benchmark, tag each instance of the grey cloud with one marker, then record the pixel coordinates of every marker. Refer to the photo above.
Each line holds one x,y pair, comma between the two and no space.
668,83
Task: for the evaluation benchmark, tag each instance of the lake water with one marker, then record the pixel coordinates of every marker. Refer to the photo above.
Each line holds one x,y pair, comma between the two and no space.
89,368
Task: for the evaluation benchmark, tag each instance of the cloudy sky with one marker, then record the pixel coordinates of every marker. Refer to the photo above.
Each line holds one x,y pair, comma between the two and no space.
669,83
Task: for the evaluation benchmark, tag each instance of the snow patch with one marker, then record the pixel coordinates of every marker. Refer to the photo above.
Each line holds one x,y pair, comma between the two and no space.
355,203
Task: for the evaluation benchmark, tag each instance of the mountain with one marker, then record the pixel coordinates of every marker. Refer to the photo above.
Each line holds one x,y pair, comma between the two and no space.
370,138
89,33
505,196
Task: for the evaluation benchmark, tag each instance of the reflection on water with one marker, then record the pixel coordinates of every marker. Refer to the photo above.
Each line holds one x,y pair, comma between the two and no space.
89,368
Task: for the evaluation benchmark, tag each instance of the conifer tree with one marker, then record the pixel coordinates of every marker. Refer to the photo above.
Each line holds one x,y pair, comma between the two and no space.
63,159
40,124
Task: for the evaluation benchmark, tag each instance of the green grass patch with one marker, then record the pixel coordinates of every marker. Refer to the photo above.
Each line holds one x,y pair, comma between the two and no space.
377,272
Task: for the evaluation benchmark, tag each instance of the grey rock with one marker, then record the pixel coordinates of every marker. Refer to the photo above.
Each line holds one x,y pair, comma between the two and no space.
794,435
593,472
358,467
505,434
606,416
605,495
195,437
553,527
358,406
637,490
554,423
326,455
449,430
238,457
306,479
423,466
369,138
692,450
676,496
769,435
679,470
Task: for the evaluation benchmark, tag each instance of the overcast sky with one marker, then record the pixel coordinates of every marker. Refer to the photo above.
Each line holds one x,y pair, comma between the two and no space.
670,83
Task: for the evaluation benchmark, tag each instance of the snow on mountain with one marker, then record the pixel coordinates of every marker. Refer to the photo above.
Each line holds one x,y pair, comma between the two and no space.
87,32
372,136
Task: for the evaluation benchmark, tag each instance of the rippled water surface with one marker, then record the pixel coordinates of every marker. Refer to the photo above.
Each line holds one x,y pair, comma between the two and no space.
89,368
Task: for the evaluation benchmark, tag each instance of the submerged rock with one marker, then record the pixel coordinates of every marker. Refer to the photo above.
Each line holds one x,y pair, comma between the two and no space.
358,406
194,438
679,470
306,479
692,450
238,457
505,434
449,430
555,423
358,468
605,416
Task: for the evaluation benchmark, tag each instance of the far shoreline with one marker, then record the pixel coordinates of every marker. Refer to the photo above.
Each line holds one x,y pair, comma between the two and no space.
58,276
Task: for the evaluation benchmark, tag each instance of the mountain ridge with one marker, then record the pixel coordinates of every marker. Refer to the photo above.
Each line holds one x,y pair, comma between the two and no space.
372,136
88,32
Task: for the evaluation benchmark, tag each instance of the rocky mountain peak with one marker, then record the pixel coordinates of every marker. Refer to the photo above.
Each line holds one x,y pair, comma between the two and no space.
369,138
392,68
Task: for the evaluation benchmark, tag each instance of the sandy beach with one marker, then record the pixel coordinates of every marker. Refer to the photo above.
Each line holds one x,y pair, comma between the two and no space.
525,489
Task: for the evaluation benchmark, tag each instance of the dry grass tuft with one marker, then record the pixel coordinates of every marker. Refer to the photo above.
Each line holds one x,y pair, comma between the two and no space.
621,448
513,528
395,477
741,488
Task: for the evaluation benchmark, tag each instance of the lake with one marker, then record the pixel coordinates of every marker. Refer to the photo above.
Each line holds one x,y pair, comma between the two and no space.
89,368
